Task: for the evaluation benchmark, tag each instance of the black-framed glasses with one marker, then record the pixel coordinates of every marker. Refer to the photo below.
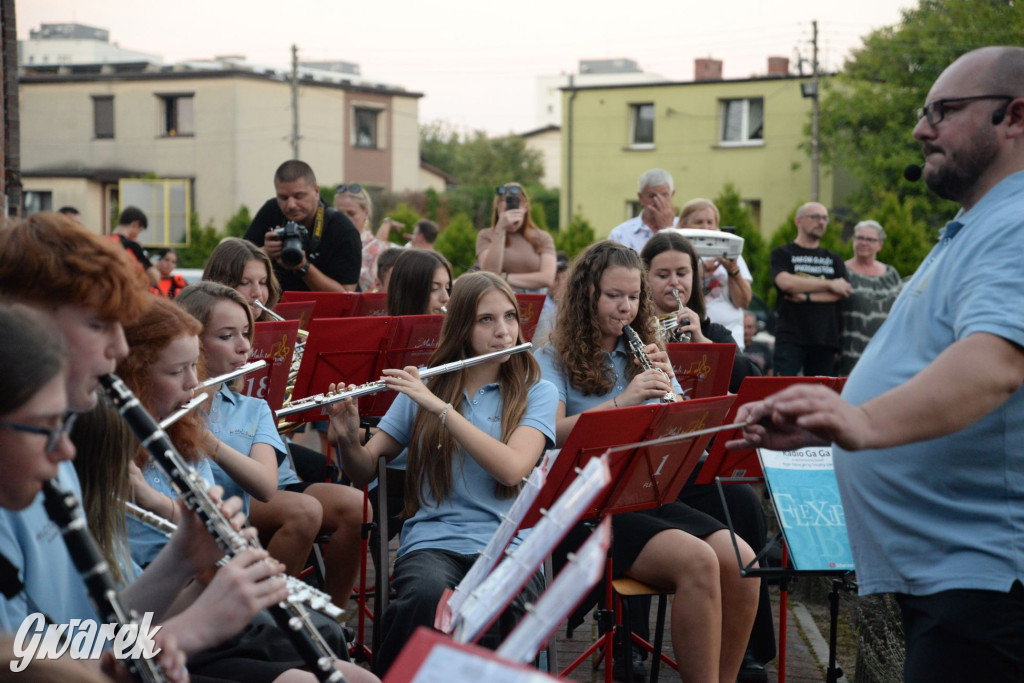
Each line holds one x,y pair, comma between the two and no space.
511,190
936,111
869,240
53,434
351,188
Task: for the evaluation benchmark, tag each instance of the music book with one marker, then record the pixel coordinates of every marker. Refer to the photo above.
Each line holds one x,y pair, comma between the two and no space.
644,477
579,575
487,601
744,463
702,370
432,657
805,496
273,342
530,306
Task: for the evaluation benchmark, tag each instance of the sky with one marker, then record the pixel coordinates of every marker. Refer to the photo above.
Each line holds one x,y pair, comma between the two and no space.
476,61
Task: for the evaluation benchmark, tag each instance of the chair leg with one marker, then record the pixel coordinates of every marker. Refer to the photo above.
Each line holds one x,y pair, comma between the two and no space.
659,635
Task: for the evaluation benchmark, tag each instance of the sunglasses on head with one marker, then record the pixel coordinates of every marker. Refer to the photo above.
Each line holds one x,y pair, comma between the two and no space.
512,190
351,188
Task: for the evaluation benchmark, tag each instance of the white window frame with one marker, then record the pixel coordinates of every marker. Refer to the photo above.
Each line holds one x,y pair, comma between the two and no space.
744,138
635,113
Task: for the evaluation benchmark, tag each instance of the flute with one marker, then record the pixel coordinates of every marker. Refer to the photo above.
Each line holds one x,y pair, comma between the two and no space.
298,590
379,385
63,509
291,618
184,410
234,374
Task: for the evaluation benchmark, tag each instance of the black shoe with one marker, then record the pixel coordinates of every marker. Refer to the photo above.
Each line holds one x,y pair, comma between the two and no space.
619,667
751,671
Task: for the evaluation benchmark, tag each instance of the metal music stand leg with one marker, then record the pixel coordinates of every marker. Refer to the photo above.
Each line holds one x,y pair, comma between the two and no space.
383,587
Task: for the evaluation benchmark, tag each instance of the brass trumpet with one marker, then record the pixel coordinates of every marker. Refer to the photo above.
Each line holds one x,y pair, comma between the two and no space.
668,325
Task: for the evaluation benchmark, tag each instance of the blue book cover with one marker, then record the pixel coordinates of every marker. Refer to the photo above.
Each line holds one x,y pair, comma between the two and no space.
804,493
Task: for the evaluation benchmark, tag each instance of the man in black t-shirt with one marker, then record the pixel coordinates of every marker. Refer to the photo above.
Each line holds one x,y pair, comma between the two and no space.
332,249
810,280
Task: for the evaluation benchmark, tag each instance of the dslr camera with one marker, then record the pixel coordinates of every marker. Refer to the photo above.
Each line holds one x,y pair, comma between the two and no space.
294,238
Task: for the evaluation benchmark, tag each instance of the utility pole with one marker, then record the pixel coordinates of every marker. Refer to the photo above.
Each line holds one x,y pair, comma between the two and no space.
295,102
814,115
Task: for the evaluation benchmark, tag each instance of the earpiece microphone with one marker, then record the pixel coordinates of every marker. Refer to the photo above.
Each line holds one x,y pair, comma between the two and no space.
913,172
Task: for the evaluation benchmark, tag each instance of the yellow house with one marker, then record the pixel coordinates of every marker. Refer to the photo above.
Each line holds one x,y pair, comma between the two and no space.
706,133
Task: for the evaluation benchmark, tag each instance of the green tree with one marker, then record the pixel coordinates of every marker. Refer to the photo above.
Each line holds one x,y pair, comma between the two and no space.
458,243
576,237
867,111
478,160
734,213
204,239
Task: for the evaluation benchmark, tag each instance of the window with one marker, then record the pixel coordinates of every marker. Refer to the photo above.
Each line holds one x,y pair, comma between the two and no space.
103,116
34,201
177,116
364,133
743,122
641,131
167,204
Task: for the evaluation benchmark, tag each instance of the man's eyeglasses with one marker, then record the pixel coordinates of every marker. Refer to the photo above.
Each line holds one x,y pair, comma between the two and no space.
816,217
52,434
351,188
936,111
511,190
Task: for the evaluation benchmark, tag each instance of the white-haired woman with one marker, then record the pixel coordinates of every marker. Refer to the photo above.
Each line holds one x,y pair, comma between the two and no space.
875,287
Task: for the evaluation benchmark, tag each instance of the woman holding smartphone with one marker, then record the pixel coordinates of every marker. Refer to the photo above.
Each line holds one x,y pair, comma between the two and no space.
513,247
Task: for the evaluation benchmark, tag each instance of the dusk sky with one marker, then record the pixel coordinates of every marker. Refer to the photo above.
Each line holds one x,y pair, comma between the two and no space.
476,62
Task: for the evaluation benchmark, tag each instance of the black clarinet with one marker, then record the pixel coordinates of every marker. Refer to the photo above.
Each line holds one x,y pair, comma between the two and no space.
291,618
63,509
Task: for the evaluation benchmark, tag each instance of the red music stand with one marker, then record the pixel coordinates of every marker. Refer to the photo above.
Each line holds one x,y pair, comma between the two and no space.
410,340
744,463
431,655
370,304
273,342
702,370
326,304
296,310
530,306
647,477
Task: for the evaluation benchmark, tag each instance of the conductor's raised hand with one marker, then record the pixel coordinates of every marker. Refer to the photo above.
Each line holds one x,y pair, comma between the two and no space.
343,418
803,415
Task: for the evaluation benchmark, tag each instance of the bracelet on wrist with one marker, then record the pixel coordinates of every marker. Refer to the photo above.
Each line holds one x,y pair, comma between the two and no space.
615,401
443,415
301,271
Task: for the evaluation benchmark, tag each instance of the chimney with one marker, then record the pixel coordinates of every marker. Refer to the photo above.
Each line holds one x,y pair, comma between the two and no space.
707,69
778,66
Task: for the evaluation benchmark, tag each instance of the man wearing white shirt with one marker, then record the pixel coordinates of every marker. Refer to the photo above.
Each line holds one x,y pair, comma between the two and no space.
656,191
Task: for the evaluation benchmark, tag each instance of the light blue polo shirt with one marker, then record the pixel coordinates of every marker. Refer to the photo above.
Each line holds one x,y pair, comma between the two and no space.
145,541
465,522
35,547
576,401
947,513
241,421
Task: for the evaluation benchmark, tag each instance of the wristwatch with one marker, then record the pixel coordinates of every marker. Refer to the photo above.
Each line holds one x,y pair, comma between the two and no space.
301,272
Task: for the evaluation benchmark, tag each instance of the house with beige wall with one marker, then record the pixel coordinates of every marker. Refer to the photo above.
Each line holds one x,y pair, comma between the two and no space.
203,137
707,133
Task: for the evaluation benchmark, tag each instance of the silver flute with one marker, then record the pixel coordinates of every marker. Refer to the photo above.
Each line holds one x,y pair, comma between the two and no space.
234,374
379,385
184,410
298,590
637,347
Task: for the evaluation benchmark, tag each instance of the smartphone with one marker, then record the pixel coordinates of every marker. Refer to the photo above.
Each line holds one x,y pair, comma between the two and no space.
511,202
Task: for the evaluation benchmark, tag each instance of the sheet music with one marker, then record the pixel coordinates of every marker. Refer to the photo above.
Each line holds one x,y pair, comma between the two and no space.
445,664
498,589
491,555
584,570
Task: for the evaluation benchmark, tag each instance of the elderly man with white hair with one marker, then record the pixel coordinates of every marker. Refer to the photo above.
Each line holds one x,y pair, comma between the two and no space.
655,192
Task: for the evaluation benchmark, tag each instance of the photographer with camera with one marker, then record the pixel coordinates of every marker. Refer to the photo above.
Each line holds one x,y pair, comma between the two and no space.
313,247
